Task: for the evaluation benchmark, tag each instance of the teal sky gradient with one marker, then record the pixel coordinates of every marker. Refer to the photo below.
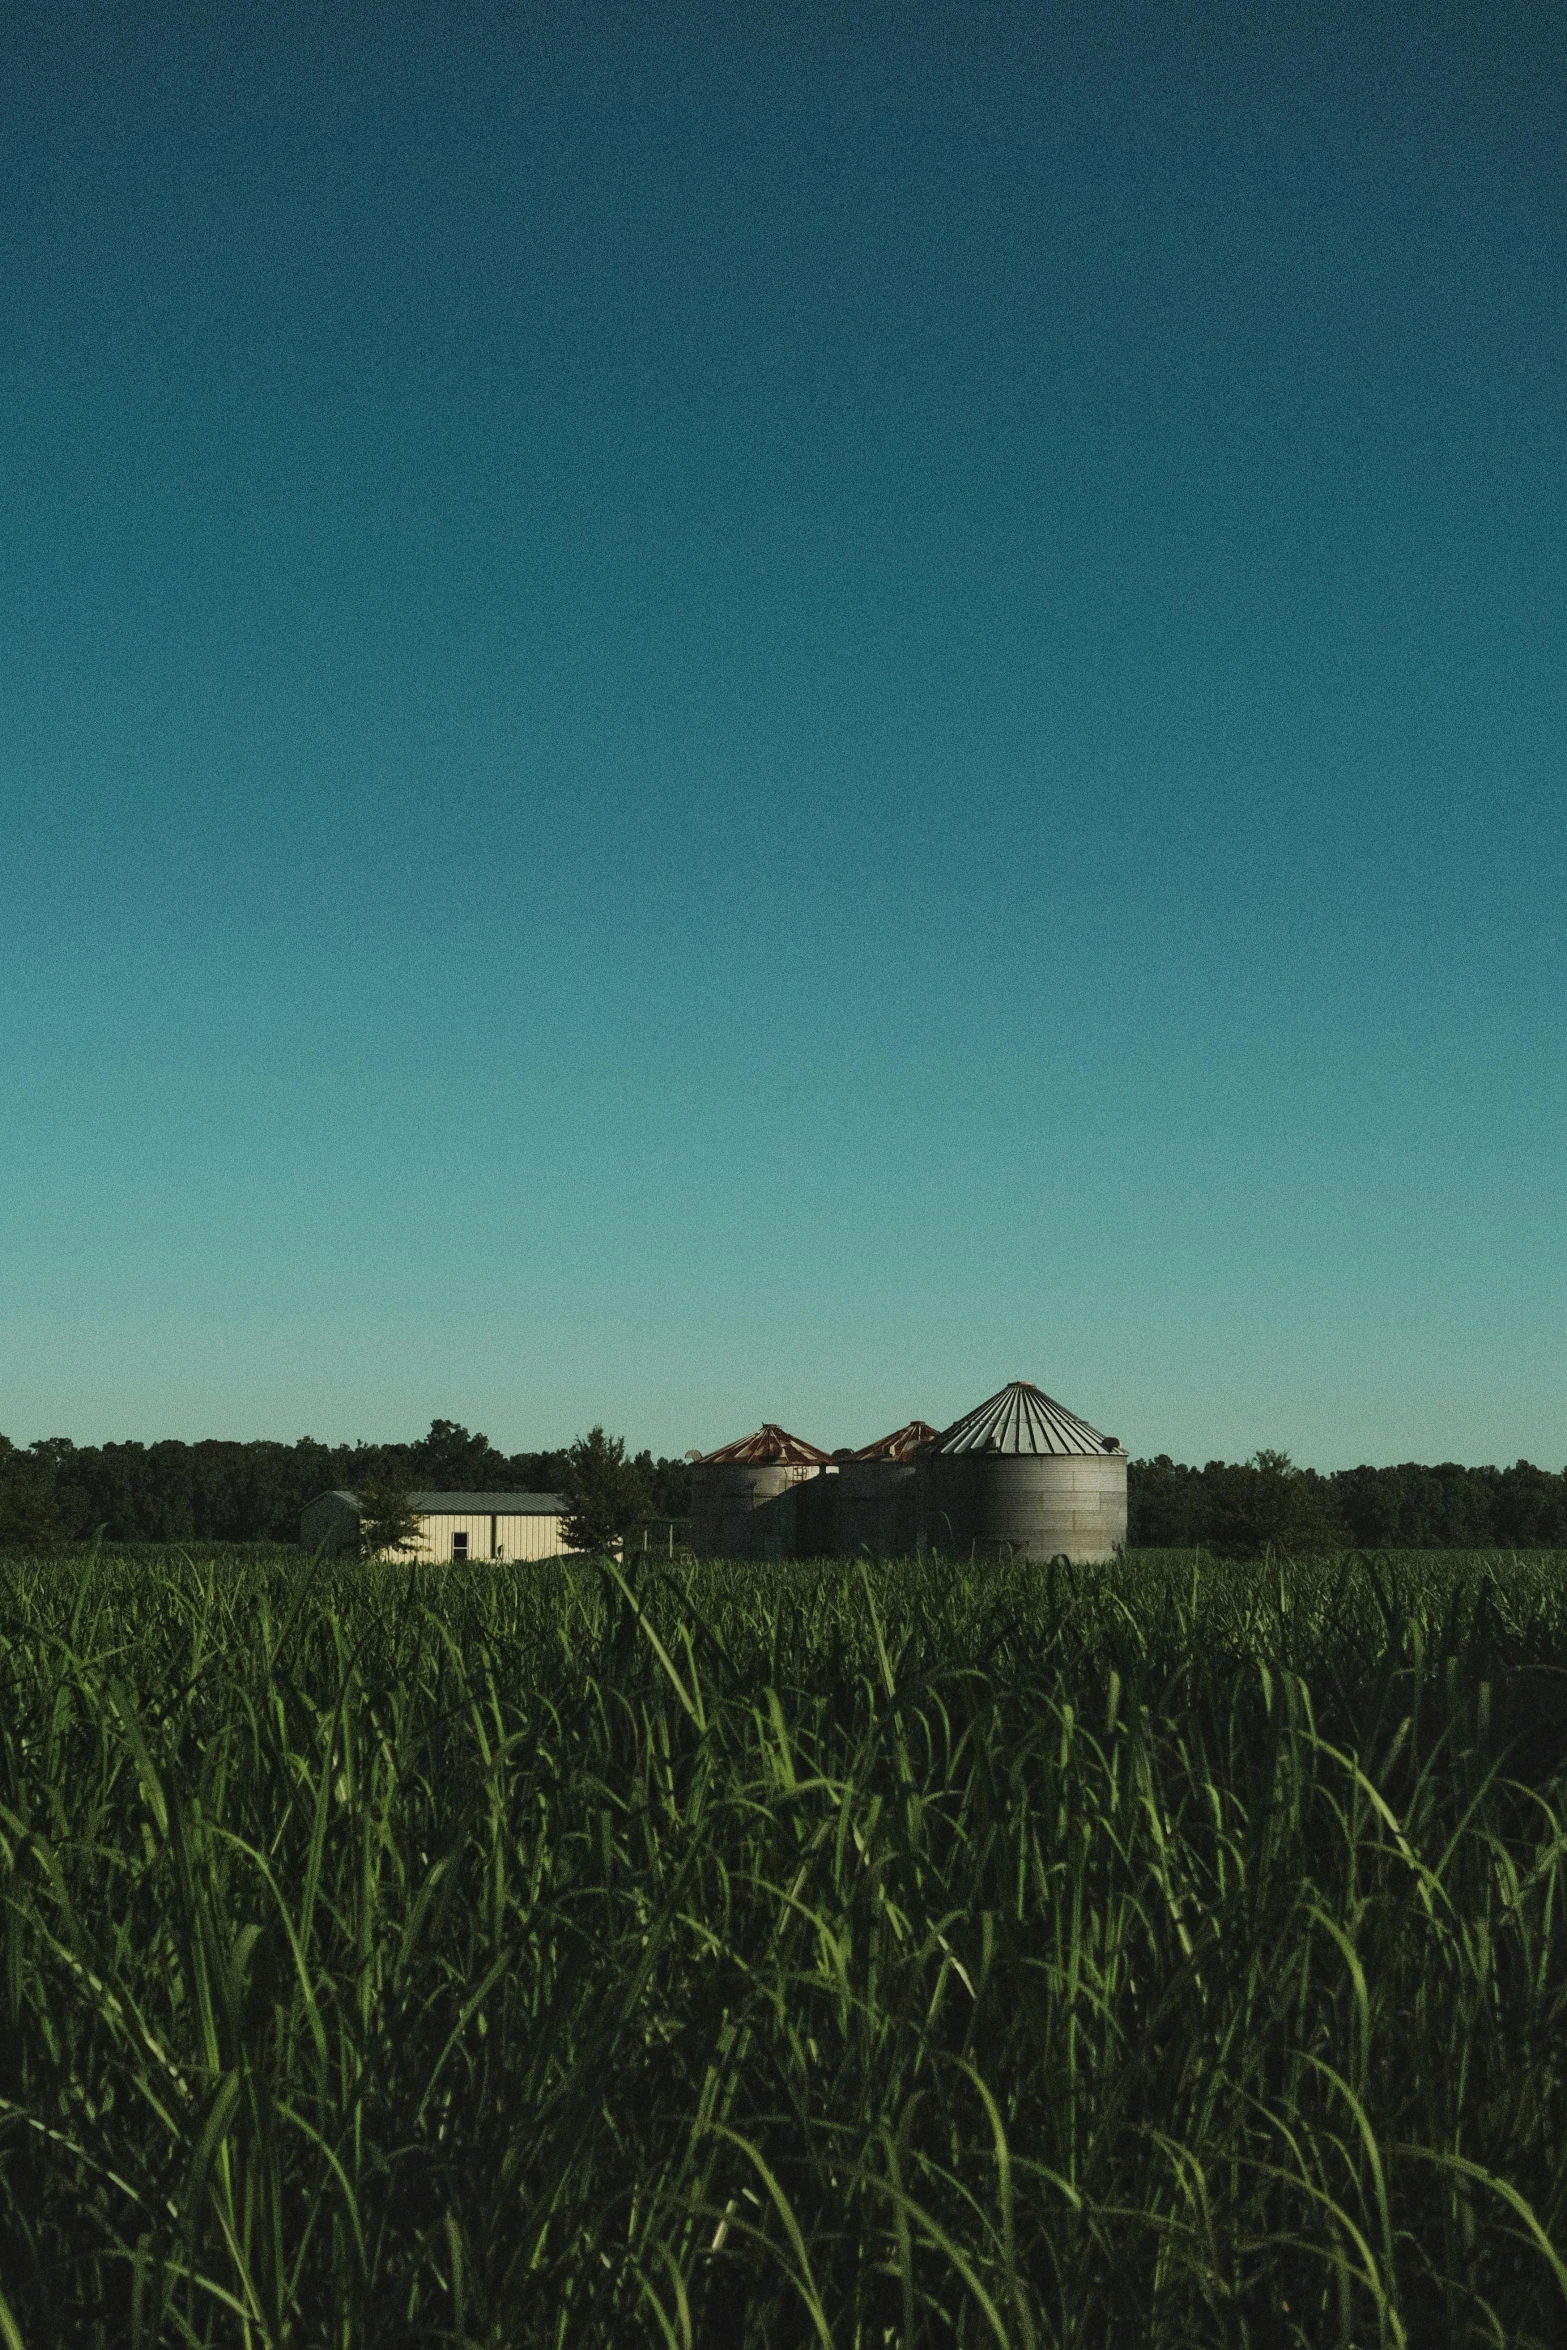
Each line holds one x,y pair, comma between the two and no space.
712,713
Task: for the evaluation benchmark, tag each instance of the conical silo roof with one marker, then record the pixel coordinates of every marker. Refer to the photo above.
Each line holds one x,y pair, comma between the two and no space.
1022,1418
901,1445
770,1443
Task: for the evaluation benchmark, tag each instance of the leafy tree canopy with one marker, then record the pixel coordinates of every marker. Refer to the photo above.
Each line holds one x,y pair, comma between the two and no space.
388,1519
29,1514
605,1493
1239,1508
450,1460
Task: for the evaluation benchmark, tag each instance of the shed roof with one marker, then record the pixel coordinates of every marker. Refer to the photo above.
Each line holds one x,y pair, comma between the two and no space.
901,1445
493,1505
1020,1417
770,1443
470,1505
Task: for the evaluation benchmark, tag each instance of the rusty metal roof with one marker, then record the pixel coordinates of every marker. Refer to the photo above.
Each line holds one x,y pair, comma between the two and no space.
1022,1418
901,1445
770,1443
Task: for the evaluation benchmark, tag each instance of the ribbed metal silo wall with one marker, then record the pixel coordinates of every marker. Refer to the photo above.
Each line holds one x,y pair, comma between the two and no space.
743,1509
1023,1505
859,1507
816,1533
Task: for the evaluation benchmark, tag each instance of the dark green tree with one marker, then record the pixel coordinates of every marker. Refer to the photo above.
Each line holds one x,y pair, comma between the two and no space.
671,1486
29,1514
450,1460
387,1519
1167,1505
1267,1502
533,1472
605,1493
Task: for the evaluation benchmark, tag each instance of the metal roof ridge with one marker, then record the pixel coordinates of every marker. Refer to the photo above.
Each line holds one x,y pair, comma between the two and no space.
899,1443
497,1504
770,1442
1021,1418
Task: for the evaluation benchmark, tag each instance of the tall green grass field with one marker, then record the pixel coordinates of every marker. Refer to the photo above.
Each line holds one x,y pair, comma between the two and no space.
1169,1954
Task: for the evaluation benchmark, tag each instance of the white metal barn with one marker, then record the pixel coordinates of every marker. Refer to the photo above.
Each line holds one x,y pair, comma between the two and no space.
451,1525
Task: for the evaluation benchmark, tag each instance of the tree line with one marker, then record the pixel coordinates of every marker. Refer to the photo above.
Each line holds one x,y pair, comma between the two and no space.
1238,1509
220,1491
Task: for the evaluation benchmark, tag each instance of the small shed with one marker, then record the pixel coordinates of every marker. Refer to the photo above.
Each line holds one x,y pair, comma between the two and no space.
451,1525
330,1522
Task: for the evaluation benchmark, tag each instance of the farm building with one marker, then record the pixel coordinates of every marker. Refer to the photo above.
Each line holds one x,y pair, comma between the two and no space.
742,1495
451,1525
1019,1476
1022,1477
867,1500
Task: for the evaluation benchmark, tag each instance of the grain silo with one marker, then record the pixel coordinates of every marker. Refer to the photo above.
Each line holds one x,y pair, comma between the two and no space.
742,1495
1022,1477
865,1500
880,1509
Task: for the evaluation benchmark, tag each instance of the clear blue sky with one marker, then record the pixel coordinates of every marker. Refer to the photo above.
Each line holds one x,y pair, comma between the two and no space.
718,713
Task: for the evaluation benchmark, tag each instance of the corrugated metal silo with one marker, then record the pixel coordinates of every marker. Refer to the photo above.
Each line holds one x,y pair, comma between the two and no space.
742,1495
1022,1477
865,1501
